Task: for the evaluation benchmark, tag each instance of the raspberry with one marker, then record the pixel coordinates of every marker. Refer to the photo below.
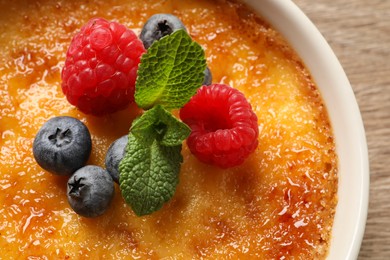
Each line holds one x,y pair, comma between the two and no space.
224,127
101,67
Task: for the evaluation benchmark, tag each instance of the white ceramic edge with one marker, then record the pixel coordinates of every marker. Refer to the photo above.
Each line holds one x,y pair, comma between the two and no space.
345,117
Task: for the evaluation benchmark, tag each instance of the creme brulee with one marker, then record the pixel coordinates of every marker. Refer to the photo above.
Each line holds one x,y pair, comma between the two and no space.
279,204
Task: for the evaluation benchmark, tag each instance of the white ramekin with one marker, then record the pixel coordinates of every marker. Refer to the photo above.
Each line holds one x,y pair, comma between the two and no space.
345,117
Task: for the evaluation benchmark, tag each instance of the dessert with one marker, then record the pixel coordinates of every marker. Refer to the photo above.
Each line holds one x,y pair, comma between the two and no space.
279,203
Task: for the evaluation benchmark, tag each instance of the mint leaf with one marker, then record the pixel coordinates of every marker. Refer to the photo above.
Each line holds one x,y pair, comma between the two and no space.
150,167
158,123
149,174
170,72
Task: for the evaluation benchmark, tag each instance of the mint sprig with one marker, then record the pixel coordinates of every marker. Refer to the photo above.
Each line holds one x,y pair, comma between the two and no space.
168,76
170,72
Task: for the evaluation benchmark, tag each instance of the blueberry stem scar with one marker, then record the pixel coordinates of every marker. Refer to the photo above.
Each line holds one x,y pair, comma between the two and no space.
75,187
60,138
164,28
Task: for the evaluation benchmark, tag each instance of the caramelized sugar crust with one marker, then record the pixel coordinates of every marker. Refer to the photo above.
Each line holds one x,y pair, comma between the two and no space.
279,203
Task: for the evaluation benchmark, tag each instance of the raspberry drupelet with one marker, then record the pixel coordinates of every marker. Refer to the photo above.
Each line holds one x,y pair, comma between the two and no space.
224,126
101,67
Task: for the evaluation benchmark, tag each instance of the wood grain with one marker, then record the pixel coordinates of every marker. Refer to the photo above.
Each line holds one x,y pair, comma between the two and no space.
359,33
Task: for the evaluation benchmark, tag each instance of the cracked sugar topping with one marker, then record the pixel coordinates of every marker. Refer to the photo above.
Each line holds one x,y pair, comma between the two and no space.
280,203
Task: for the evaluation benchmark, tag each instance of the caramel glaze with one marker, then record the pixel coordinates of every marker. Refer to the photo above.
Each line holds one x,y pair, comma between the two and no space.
280,203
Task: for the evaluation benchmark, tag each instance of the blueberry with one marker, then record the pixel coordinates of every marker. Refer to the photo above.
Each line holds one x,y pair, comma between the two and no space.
158,26
114,155
90,191
62,145
208,78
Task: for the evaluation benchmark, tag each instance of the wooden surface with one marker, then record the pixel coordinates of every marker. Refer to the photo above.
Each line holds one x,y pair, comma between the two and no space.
359,33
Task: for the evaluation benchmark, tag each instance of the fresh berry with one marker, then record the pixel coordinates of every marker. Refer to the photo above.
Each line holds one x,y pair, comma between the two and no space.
101,67
62,145
90,191
158,26
114,155
224,127
208,78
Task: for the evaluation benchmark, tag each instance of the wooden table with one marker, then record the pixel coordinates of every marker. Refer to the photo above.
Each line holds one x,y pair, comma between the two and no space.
359,33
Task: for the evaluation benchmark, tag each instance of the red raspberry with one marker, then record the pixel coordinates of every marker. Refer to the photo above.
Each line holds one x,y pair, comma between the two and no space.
224,127
101,67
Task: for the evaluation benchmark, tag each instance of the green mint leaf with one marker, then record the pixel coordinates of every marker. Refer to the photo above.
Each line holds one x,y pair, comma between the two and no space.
158,123
170,72
149,174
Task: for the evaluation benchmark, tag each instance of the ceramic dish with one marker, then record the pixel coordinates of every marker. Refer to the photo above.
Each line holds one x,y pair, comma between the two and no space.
344,114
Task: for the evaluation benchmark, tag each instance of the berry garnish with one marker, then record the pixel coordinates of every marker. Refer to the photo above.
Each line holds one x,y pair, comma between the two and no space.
62,145
90,191
158,26
114,155
208,78
101,67
224,127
